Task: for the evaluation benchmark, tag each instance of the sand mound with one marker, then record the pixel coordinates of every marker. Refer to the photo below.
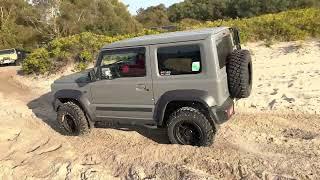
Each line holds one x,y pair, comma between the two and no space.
286,77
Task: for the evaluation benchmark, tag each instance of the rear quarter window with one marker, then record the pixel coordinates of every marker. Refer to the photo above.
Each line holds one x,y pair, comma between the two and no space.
224,48
179,60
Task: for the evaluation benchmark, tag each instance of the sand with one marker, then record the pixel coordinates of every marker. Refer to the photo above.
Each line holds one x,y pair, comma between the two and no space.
274,135
286,77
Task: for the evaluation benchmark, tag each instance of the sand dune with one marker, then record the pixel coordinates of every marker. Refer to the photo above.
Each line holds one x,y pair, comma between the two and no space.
286,77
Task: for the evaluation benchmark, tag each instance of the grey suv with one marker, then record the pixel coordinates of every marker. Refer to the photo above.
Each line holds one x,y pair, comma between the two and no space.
183,81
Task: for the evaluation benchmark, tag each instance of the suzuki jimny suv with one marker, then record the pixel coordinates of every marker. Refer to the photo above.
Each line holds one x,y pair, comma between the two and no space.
183,81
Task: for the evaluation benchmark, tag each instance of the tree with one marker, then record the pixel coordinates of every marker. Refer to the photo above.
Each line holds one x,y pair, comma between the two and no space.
97,16
205,10
14,29
250,8
45,20
31,23
198,9
153,16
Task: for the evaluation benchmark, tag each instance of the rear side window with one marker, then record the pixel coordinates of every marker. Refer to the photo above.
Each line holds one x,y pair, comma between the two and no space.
179,60
224,48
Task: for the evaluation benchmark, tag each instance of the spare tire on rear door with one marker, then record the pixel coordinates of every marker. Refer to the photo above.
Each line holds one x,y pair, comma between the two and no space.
239,70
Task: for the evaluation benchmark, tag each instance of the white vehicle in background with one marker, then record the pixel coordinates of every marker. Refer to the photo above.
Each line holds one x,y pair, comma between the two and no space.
9,56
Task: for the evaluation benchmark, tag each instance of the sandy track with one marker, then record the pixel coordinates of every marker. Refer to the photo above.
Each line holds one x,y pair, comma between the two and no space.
260,145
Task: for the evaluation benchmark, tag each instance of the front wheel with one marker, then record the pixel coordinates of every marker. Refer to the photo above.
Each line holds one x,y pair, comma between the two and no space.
188,126
72,120
18,62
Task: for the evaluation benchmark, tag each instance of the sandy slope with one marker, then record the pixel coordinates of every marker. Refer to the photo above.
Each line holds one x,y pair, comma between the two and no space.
264,141
286,77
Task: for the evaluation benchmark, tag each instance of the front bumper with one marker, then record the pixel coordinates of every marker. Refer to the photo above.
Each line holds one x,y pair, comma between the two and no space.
223,113
56,103
7,61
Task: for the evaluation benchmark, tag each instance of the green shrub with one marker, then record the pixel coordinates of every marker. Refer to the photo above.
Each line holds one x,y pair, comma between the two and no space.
81,66
284,26
37,62
80,49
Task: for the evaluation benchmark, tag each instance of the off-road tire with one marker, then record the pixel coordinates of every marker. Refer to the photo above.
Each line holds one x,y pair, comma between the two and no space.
18,62
76,115
239,70
195,117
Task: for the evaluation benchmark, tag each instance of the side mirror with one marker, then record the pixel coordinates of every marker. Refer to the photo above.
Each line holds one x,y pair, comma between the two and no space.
236,37
92,74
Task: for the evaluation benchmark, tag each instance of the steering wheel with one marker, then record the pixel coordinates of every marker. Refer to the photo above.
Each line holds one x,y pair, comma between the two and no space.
117,70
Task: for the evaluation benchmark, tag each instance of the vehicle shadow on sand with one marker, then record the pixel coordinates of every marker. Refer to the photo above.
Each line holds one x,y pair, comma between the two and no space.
42,109
154,134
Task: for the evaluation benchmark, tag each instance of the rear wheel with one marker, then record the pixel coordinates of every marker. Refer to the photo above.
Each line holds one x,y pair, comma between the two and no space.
72,120
188,126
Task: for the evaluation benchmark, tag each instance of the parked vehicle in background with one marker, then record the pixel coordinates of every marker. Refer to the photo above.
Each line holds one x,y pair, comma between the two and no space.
185,82
12,56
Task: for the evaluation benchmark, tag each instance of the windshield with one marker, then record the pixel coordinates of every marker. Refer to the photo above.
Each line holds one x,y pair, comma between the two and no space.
8,51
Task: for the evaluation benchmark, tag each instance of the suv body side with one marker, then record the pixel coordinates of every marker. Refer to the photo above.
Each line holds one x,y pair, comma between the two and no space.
143,100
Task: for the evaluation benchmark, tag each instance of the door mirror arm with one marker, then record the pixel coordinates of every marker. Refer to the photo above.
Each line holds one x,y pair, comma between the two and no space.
93,74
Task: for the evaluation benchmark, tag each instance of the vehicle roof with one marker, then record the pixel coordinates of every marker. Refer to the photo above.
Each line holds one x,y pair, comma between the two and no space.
164,38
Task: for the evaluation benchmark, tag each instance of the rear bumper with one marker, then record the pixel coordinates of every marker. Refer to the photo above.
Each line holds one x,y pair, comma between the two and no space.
223,113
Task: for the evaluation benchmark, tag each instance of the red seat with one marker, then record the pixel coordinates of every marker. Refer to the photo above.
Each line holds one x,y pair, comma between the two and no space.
137,69
125,69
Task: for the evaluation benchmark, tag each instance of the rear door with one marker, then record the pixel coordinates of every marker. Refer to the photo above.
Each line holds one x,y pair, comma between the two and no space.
224,47
125,89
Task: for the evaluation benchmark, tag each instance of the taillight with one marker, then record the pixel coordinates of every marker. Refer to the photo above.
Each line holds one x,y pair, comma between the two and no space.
230,112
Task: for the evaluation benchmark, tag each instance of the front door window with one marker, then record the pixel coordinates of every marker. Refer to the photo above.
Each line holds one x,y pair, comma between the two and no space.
123,63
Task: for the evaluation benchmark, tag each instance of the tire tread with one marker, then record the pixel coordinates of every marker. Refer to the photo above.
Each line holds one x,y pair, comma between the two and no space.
78,114
237,70
198,117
